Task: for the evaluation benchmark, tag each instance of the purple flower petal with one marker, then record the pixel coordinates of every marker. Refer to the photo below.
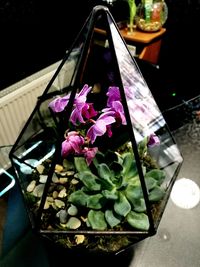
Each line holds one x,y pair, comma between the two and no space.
117,106
76,114
72,144
81,111
113,95
59,104
81,108
84,92
153,140
89,154
118,110
88,111
66,148
100,126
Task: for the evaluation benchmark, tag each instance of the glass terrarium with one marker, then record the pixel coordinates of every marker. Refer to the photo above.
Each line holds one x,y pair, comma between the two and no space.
151,15
96,161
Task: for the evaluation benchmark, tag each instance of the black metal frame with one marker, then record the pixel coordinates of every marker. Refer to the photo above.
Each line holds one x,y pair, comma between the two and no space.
96,12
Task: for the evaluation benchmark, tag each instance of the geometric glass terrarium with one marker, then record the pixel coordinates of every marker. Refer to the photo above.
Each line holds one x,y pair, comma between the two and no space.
96,161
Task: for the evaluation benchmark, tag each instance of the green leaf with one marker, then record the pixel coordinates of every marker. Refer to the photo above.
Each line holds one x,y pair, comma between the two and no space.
97,220
156,194
80,164
129,166
105,174
139,205
139,221
113,195
122,205
135,196
78,198
90,180
133,192
111,218
158,175
135,181
95,201
150,183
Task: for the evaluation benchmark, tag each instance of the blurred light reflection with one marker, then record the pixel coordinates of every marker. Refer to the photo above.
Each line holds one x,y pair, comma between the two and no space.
185,193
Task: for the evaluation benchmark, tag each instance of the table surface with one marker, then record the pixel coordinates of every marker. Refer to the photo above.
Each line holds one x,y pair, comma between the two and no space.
137,35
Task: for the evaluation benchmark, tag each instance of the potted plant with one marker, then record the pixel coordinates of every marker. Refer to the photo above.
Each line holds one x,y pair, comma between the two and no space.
96,161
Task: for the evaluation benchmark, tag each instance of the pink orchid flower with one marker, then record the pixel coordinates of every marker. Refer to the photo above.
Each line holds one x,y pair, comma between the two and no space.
72,144
89,154
114,104
113,95
101,125
59,104
153,140
81,109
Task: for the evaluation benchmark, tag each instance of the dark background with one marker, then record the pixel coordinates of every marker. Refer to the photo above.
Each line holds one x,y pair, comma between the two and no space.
36,33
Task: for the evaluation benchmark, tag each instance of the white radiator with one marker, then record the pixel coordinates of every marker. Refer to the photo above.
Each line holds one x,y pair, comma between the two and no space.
18,101
15,109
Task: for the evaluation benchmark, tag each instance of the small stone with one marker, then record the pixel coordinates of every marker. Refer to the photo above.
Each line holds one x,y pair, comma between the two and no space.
50,199
70,173
55,194
40,168
63,174
62,193
38,190
58,168
31,186
74,181
72,210
63,216
55,179
73,223
76,175
43,179
59,203
79,239
63,180
46,205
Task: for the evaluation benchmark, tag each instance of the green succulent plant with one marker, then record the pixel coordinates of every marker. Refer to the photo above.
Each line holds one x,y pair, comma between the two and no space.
112,193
